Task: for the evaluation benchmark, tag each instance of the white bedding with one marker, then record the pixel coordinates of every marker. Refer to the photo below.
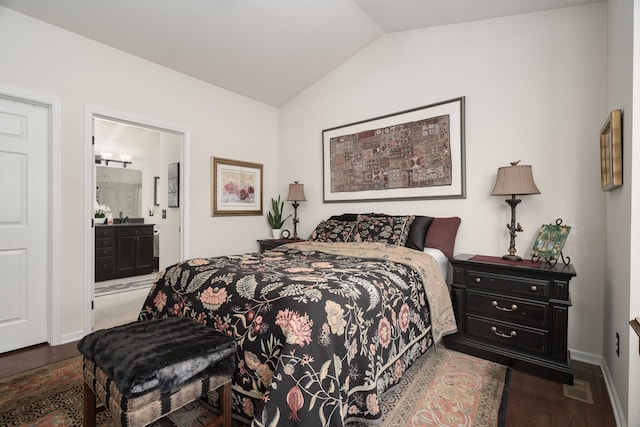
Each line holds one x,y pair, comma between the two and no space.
442,259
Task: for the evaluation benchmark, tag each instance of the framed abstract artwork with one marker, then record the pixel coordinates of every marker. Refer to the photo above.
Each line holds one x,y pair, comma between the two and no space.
173,180
611,152
236,187
413,154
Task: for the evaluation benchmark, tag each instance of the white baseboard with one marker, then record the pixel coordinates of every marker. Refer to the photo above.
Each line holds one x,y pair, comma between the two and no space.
618,412
590,358
594,359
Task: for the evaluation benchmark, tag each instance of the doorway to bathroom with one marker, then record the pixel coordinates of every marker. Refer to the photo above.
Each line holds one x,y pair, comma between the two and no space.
137,211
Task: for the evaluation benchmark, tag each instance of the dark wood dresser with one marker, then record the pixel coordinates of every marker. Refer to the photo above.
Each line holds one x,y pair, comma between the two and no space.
513,313
123,250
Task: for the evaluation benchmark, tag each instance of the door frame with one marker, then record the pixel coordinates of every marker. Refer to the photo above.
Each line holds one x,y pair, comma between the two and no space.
91,112
54,214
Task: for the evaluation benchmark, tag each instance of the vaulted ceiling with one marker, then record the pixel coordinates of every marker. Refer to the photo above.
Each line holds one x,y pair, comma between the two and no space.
267,50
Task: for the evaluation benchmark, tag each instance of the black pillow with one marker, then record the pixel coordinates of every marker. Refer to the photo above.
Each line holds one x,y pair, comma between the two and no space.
347,217
418,232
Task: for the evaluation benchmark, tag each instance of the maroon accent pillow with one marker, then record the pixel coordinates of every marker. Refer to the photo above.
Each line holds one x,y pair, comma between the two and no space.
442,234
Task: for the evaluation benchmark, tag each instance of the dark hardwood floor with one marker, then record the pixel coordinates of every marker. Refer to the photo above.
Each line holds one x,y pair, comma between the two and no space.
15,362
536,402
532,402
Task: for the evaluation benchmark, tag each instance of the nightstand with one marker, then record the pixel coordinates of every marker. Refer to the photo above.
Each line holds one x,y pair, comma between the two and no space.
267,244
514,313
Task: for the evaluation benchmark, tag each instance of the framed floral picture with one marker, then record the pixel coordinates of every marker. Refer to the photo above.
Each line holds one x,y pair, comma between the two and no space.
236,187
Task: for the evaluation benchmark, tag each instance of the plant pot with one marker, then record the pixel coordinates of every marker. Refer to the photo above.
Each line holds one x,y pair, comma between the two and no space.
100,220
275,233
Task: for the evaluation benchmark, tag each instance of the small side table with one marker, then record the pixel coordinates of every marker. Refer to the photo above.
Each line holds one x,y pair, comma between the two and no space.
514,313
266,244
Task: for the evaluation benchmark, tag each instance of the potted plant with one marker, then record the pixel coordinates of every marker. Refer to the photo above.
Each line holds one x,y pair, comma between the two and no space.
274,217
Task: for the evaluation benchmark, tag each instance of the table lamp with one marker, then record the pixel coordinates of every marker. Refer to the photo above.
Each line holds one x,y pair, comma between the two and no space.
511,181
296,194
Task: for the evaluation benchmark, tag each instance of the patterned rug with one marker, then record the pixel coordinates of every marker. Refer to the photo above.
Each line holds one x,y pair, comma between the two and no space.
51,396
445,388
449,389
125,284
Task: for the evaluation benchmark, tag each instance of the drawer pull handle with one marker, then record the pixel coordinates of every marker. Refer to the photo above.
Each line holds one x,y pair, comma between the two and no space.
477,280
495,304
534,288
500,334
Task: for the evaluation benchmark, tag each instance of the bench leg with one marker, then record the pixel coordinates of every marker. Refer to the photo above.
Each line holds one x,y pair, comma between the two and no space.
89,419
225,404
224,419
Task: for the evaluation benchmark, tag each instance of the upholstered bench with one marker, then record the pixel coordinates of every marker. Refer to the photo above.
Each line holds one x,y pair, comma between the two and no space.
142,371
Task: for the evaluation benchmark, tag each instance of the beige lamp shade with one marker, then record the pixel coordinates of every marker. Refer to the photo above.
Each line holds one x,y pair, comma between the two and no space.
514,179
296,192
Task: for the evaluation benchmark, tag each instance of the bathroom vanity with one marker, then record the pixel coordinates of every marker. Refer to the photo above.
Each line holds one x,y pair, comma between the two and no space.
123,250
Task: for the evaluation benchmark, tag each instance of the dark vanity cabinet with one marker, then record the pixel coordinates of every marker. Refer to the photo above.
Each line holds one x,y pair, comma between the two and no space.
105,250
123,250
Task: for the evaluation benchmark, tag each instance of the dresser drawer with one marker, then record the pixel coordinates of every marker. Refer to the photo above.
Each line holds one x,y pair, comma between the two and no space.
528,313
508,335
513,285
105,231
105,267
135,230
106,251
105,242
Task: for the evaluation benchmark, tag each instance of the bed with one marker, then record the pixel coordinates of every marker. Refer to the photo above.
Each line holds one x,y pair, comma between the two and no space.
323,326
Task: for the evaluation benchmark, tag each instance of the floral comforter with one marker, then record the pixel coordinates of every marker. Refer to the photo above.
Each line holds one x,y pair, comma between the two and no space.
323,329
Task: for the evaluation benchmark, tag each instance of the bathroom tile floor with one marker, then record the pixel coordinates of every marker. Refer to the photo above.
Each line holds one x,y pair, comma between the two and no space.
117,309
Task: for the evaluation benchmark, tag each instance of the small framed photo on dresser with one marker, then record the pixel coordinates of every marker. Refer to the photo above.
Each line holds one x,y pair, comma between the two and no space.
550,241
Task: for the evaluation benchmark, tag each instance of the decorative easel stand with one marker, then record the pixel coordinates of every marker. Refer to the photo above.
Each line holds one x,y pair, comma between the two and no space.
549,243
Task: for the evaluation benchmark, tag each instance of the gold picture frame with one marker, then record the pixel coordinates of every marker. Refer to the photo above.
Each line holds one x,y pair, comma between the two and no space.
236,187
611,152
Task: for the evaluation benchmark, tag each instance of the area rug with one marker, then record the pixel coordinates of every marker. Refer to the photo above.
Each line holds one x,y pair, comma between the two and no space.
51,396
443,388
448,388
125,284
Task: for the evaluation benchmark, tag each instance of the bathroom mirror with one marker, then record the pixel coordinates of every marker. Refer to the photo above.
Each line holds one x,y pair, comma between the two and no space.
121,190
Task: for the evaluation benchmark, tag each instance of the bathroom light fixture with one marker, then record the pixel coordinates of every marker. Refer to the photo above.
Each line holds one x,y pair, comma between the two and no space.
124,163
107,158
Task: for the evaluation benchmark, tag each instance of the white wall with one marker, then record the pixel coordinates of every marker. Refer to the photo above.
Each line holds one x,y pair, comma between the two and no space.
535,88
622,292
40,58
618,254
169,227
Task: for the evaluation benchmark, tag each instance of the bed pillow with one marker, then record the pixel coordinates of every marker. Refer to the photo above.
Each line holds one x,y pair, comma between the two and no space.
418,232
442,234
348,216
332,230
393,230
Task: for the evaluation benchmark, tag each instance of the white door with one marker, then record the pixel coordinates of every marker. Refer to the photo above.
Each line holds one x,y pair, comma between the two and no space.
24,226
